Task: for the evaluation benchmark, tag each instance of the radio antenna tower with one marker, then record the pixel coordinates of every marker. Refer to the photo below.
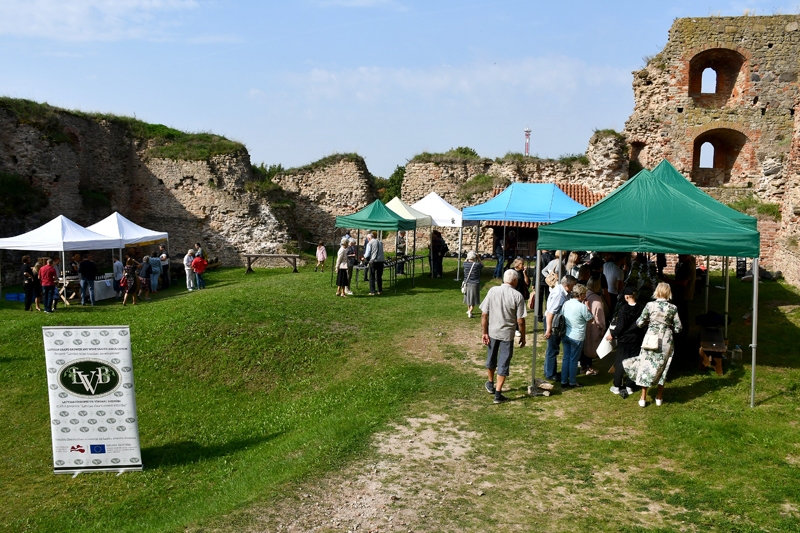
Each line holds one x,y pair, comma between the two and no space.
527,141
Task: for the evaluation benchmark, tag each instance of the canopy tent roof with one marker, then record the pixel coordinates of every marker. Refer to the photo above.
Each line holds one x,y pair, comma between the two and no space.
376,216
653,214
442,213
526,202
118,227
668,174
59,235
406,211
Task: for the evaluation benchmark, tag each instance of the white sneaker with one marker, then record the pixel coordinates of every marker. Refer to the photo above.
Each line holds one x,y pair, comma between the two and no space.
629,390
642,403
348,292
614,390
469,315
659,401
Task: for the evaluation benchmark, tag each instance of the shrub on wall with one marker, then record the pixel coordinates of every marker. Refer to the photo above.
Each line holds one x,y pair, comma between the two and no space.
480,184
750,205
18,197
462,154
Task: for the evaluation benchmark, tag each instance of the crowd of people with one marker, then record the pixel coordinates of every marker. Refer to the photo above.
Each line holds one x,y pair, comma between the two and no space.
614,297
131,280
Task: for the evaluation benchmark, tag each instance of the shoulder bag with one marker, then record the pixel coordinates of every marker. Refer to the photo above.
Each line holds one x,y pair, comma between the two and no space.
464,283
551,279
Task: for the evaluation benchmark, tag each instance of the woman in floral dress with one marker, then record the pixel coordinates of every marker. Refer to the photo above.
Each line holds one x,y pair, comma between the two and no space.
650,368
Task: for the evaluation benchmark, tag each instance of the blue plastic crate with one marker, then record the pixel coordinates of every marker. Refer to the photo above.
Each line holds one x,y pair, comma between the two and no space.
11,296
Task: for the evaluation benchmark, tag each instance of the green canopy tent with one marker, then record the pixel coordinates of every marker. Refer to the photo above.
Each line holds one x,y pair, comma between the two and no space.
654,212
377,216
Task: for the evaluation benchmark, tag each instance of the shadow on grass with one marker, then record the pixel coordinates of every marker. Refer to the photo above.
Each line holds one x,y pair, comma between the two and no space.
187,452
712,383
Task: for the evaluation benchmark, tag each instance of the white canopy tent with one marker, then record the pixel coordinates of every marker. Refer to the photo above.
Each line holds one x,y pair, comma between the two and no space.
445,215
126,232
59,235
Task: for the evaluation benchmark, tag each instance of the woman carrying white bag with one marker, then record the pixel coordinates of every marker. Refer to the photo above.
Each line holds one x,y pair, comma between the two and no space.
650,368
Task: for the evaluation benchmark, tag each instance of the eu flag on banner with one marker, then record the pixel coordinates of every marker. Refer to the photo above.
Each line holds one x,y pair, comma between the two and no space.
97,448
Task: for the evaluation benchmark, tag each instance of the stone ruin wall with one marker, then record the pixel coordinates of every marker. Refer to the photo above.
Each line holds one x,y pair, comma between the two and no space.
750,118
607,169
321,194
192,200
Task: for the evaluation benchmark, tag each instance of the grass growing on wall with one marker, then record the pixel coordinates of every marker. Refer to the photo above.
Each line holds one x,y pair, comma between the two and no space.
462,154
480,184
165,142
750,205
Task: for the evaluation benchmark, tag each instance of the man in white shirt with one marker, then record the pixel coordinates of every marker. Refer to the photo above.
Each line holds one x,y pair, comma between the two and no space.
187,266
118,272
615,277
502,310
558,295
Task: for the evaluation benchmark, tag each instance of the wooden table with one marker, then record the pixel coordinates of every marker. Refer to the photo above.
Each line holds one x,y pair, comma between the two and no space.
290,258
712,346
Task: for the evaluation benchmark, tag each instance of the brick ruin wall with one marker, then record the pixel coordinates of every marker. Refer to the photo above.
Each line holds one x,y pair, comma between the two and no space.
192,200
748,116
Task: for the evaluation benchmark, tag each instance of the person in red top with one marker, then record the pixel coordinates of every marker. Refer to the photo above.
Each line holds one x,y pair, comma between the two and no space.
198,267
49,278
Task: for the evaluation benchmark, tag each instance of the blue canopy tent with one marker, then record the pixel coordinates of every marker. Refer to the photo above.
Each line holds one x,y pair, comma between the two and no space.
526,202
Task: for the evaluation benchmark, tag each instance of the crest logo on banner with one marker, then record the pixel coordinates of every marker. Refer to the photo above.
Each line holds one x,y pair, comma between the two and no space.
89,378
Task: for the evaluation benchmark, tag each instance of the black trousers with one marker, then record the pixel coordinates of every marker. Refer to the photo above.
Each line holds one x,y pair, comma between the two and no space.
624,351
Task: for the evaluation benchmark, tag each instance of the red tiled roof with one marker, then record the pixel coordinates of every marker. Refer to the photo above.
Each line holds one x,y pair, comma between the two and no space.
579,193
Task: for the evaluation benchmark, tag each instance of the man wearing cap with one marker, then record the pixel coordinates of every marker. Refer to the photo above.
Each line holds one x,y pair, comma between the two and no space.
629,339
502,311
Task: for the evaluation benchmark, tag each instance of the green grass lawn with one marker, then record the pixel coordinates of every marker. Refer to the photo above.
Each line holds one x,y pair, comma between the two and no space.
265,382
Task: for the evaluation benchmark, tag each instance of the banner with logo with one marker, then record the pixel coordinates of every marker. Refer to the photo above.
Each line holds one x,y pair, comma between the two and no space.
92,399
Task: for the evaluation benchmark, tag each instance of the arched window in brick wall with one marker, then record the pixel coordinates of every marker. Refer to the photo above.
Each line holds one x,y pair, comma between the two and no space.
709,81
706,155
719,149
724,66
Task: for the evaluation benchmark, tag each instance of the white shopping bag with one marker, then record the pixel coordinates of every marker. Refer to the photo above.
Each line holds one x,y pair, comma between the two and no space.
606,346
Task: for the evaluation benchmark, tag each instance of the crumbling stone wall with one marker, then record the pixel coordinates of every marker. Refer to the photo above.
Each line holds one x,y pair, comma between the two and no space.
322,192
607,168
192,200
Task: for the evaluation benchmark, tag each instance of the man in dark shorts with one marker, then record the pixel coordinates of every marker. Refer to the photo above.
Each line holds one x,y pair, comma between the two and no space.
502,311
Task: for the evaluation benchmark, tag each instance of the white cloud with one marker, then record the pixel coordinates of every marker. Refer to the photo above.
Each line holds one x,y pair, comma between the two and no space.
89,20
557,77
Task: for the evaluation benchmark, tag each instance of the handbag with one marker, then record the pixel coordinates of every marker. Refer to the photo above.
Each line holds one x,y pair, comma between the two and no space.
464,283
551,279
650,342
559,325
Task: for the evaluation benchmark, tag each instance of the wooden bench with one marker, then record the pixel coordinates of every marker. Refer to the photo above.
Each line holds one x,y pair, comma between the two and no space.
290,258
712,346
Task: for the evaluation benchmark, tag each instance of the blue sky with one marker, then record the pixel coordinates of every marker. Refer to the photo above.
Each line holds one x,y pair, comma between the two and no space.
298,80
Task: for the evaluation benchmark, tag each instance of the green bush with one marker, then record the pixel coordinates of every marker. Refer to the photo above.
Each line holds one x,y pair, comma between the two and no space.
480,184
326,162
18,197
393,186
94,199
462,154
752,206
570,159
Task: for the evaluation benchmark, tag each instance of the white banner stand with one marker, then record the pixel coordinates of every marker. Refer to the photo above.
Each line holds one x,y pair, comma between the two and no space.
92,399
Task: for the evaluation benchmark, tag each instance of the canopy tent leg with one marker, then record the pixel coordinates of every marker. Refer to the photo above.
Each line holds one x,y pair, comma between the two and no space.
414,261
332,262
460,236
727,280
533,390
708,271
754,344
